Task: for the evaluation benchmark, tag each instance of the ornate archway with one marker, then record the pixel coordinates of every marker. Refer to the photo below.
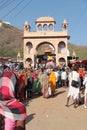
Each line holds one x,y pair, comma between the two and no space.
45,33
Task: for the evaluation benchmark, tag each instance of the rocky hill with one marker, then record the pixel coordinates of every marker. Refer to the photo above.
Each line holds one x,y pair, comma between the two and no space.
11,43
10,40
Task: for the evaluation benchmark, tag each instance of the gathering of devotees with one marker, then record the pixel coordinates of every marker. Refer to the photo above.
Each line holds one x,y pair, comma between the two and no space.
43,98
44,87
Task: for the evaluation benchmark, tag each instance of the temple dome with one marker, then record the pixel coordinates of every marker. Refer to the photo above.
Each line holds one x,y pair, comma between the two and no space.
46,19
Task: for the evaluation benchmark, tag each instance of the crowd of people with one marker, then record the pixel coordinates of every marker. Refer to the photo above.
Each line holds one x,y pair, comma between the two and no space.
20,85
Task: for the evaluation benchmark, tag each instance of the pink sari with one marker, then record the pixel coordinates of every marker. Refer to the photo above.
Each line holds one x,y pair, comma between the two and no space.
9,106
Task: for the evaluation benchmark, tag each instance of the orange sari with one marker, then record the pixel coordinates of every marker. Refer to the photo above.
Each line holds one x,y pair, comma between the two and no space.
52,81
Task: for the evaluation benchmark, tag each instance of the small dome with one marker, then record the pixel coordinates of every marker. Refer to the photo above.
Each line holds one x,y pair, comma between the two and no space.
65,22
26,23
45,19
27,26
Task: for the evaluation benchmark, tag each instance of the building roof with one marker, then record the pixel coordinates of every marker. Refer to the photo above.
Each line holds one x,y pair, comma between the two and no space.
46,19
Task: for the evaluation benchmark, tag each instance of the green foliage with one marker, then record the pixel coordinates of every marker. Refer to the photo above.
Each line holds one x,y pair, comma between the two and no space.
9,51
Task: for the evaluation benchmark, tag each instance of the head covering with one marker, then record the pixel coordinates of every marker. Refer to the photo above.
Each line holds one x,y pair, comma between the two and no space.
9,106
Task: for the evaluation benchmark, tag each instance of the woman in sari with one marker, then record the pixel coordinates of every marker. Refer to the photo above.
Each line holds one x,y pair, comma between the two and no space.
52,81
21,84
14,112
44,82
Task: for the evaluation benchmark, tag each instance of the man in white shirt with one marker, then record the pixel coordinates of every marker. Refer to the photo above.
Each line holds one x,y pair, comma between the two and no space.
63,77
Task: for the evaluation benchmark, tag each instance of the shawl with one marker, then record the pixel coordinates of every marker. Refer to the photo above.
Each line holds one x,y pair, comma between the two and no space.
9,106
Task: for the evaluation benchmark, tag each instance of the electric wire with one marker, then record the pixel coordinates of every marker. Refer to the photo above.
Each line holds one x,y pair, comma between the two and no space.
12,9
20,11
1,2
4,5
27,4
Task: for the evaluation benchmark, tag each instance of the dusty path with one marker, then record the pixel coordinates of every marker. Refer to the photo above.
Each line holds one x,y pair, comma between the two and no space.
51,114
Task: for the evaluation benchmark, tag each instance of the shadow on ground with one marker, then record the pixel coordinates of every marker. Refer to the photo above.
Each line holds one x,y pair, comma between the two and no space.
29,117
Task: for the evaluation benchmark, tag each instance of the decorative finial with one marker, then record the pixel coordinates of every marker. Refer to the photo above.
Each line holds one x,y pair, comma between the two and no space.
65,24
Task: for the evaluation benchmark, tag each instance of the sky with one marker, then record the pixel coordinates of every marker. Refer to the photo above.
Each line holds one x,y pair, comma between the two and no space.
74,11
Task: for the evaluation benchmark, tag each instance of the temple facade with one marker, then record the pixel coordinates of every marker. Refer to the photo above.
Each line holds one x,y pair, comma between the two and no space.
45,34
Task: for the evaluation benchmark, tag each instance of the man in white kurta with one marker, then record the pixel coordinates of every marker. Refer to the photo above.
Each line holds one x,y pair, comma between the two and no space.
74,92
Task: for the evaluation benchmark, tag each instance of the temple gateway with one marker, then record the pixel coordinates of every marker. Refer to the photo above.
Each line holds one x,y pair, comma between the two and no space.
45,38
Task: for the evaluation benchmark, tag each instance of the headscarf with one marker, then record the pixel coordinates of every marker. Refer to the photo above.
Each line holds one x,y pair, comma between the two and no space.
9,106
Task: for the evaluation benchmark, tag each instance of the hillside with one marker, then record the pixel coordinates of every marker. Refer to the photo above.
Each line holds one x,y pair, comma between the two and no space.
11,43
81,51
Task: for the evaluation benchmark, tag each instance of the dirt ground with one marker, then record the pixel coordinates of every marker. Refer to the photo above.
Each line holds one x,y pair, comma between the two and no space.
52,114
